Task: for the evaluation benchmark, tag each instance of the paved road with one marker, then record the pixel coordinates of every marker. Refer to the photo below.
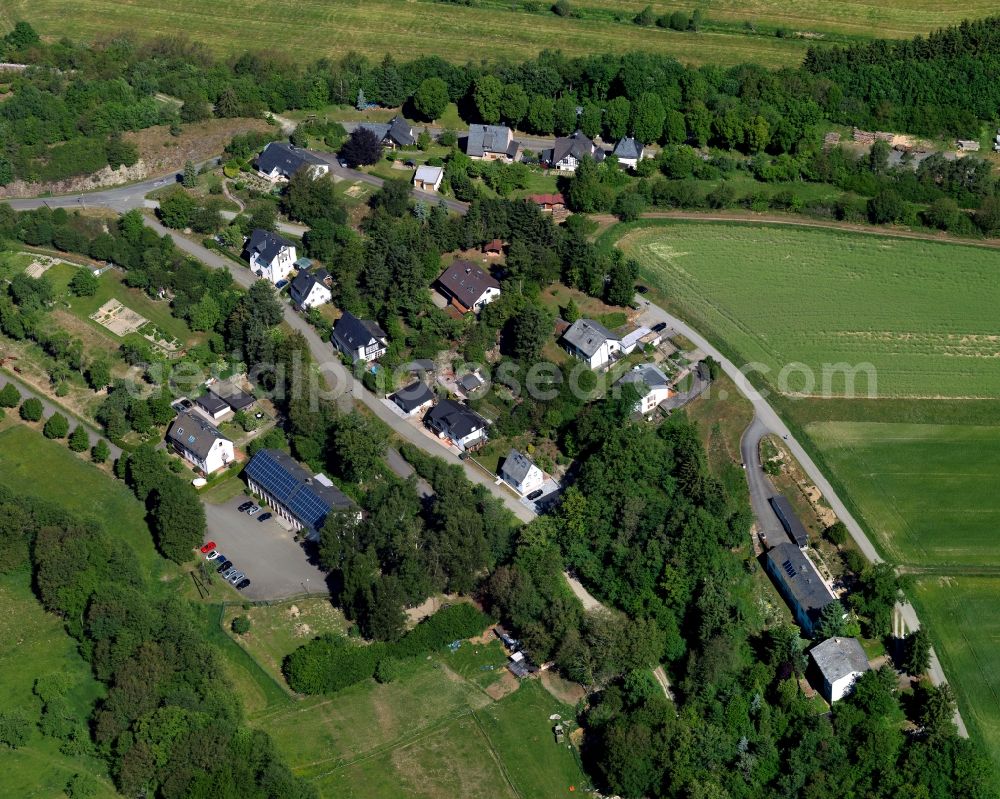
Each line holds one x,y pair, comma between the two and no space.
766,421
761,488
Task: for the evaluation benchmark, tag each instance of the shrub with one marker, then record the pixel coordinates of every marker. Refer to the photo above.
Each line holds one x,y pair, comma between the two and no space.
387,670
80,440
241,625
100,451
84,284
57,426
10,397
837,533
13,730
81,786
31,409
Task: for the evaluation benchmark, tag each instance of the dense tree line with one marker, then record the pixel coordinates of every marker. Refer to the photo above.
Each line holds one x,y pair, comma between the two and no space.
164,729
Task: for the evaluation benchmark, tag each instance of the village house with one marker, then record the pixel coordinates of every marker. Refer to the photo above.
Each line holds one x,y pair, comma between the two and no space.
629,152
271,256
839,661
235,398
569,150
492,143
311,288
462,426
395,133
200,443
280,160
592,342
548,202
428,178
799,583
360,339
303,501
653,386
521,474
467,286
414,398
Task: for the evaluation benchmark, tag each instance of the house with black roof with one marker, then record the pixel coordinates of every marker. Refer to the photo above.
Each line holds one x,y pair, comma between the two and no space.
311,287
301,499
395,133
521,474
414,398
271,256
359,339
786,515
799,583
467,286
492,143
568,151
212,406
200,443
451,420
235,397
280,160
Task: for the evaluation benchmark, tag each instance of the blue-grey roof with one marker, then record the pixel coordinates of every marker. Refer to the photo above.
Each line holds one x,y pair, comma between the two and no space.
288,158
266,244
578,145
839,657
304,282
454,418
354,333
648,374
397,130
308,499
193,433
628,148
212,403
786,515
413,396
516,466
490,139
588,336
800,578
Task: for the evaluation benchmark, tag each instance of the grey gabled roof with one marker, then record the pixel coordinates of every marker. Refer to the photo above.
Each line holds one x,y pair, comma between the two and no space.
305,280
397,130
628,148
800,577
288,158
587,336
454,418
413,396
786,515
647,373
355,333
470,382
839,657
490,139
193,433
266,244
576,145
516,466
467,282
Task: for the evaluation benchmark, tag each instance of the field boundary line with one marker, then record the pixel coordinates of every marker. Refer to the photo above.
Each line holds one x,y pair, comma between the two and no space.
496,756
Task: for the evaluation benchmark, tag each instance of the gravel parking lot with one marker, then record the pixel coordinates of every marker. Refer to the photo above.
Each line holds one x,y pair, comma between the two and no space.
269,554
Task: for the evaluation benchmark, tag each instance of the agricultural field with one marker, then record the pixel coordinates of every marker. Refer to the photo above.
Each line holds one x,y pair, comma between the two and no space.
963,616
921,313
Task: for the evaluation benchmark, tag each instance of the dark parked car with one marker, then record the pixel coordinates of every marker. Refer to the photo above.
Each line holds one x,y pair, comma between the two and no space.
535,494
265,516
245,507
659,327
226,564
244,583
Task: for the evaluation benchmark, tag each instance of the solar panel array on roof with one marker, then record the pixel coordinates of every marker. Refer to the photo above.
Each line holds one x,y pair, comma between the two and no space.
308,500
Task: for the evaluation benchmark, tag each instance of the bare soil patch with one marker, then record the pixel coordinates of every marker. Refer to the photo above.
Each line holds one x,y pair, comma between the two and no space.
505,686
161,152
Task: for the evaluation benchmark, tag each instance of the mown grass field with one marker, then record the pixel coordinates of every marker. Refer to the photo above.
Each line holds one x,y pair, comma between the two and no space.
962,613
927,491
922,313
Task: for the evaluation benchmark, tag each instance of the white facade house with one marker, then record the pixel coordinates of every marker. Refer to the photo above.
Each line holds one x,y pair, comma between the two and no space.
271,257
652,384
492,143
467,286
280,160
310,289
200,443
461,425
590,341
521,474
629,152
428,178
568,151
840,661
359,339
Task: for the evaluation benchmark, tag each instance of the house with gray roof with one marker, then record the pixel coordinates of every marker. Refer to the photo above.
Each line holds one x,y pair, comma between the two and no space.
311,288
280,160
521,474
200,443
360,339
468,286
628,151
492,143
789,520
271,256
592,342
653,386
839,661
568,151
395,133
799,583
212,406
461,425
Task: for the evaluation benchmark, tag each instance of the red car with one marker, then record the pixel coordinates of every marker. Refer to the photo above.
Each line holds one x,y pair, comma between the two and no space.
208,547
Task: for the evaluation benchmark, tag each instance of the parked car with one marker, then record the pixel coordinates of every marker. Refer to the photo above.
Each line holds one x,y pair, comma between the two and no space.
236,577
244,583
253,510
226,564
659,327
229,572
265,516
641,289
535,494
245,507
212,555
208,547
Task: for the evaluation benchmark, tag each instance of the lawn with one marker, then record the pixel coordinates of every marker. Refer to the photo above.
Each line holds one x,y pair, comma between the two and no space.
963,615
404,29
922,314
927,492
34,644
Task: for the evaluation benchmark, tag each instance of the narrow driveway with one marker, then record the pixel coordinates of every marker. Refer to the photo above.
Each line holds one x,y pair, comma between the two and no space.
761,488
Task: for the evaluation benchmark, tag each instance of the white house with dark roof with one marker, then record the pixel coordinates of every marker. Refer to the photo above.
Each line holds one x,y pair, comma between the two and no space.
213,406
200,443
310,288
653,386
397,132
360,339
468,286
271,256
568,151
414,398
629,152
592,342
521,474
461,425
839,661
800,584
492,143
280,160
